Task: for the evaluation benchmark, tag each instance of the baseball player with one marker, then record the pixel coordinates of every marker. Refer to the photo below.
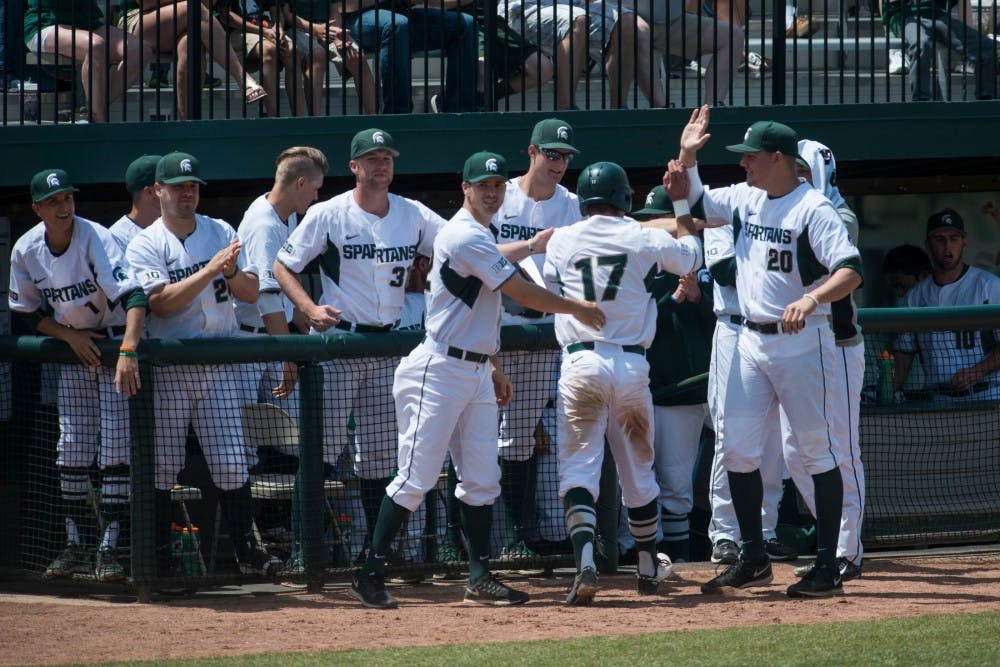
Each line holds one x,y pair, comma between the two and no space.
533,202
69,280
793,258
140,178
724,530
904,267
366,240
680,350
958,365
604,376
191,266
445,391
849,375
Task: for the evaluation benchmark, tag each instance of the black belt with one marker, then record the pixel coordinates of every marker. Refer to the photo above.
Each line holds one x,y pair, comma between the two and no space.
764,328
736,319
344,325
466,355
250,329
960,393
589,345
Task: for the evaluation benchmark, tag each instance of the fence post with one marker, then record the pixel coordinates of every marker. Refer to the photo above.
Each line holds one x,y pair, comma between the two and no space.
778,56
310,482
195,58
143,469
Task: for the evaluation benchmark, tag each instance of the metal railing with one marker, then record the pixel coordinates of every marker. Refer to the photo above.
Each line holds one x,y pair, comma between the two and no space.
194,59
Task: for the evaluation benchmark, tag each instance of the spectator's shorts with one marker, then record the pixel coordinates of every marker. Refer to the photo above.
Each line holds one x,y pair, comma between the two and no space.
546,27
510,50
47,38
685,35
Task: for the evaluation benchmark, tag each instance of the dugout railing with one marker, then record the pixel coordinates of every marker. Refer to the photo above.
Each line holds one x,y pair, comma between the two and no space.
842,55
932,460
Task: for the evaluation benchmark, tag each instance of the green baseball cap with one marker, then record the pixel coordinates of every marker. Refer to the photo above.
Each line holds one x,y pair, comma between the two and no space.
801,162
141,173
947,218
554,134
177,167
483,165
50,182
372,139
657,203
769,136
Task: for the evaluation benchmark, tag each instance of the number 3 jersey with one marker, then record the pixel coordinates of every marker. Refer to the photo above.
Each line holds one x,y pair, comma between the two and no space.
783,245
159,258
613,261
943,353
363,259
82,287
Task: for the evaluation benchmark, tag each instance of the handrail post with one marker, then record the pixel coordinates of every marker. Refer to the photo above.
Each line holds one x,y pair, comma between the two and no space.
195,59
143,474
310,482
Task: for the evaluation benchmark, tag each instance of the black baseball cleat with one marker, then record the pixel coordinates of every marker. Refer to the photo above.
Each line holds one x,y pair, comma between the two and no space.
584,588
490,590
740,575
369,588
820,582
257,561
648,585
779,552
725,552
848,570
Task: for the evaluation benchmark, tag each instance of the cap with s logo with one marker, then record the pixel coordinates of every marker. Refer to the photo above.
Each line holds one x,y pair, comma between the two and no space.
553,133
947,218
657,203
768,136
177,167
483,165
141,173
372,139
50,182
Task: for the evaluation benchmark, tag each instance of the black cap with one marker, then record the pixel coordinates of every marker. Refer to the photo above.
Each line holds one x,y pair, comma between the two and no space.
946,218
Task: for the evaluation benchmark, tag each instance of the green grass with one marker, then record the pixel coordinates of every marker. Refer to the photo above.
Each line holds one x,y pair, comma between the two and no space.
966,639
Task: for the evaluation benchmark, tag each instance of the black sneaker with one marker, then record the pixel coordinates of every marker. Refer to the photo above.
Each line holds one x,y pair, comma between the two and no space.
725,552
648,585
820,582
779,552
848,570
740,575
258,561
108,568
490,590
584,588
369,587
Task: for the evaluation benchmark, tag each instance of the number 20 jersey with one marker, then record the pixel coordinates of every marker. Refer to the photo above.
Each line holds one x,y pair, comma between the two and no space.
783,245
363,259
160,258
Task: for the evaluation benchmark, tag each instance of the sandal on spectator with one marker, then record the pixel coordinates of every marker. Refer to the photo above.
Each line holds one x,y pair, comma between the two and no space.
255,93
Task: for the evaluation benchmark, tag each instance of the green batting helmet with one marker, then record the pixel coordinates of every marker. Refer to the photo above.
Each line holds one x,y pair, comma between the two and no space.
604,183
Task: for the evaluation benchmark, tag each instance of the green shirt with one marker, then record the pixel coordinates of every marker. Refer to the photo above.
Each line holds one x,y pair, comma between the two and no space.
893,11
39,14
682,346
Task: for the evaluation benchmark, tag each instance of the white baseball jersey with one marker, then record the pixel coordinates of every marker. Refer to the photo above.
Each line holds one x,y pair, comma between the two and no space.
160,258
263,233
363,258
823,166
719,247
124,230
463,305
612,260
778,263
943,353
521,217
414,311
80,288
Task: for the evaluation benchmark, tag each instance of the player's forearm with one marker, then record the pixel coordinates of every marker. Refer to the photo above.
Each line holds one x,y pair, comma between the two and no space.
990,364
515,251
538,298
843,281
244,286
292,288
276,324
901,369
135,319
175,296
47,326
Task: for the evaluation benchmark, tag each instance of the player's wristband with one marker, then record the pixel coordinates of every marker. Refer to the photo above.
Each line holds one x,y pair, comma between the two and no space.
681,208
125,352
126,348
231,275
529,247
812,298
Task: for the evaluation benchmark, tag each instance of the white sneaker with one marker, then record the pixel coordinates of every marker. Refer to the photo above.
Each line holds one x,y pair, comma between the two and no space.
896,64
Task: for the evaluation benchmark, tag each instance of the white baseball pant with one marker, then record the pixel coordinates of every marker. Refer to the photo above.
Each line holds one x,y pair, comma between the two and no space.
88,406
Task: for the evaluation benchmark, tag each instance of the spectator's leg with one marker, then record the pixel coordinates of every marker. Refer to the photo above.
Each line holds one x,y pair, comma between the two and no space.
919,44
619,59
266,52
726,60
311,80
648,65
571,57
364,81
181,70
537,70
981,51
389,34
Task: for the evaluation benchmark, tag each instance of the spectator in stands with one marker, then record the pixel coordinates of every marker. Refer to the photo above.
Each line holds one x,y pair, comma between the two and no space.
925,26
254,40
904,266
957,365
315,31
76,29
412,28
561,30
162,26
682,33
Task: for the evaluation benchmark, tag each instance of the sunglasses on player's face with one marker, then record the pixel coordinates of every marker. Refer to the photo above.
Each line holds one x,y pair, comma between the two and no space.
555,156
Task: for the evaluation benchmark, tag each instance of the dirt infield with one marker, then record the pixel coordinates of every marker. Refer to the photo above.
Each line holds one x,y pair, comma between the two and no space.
46,629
